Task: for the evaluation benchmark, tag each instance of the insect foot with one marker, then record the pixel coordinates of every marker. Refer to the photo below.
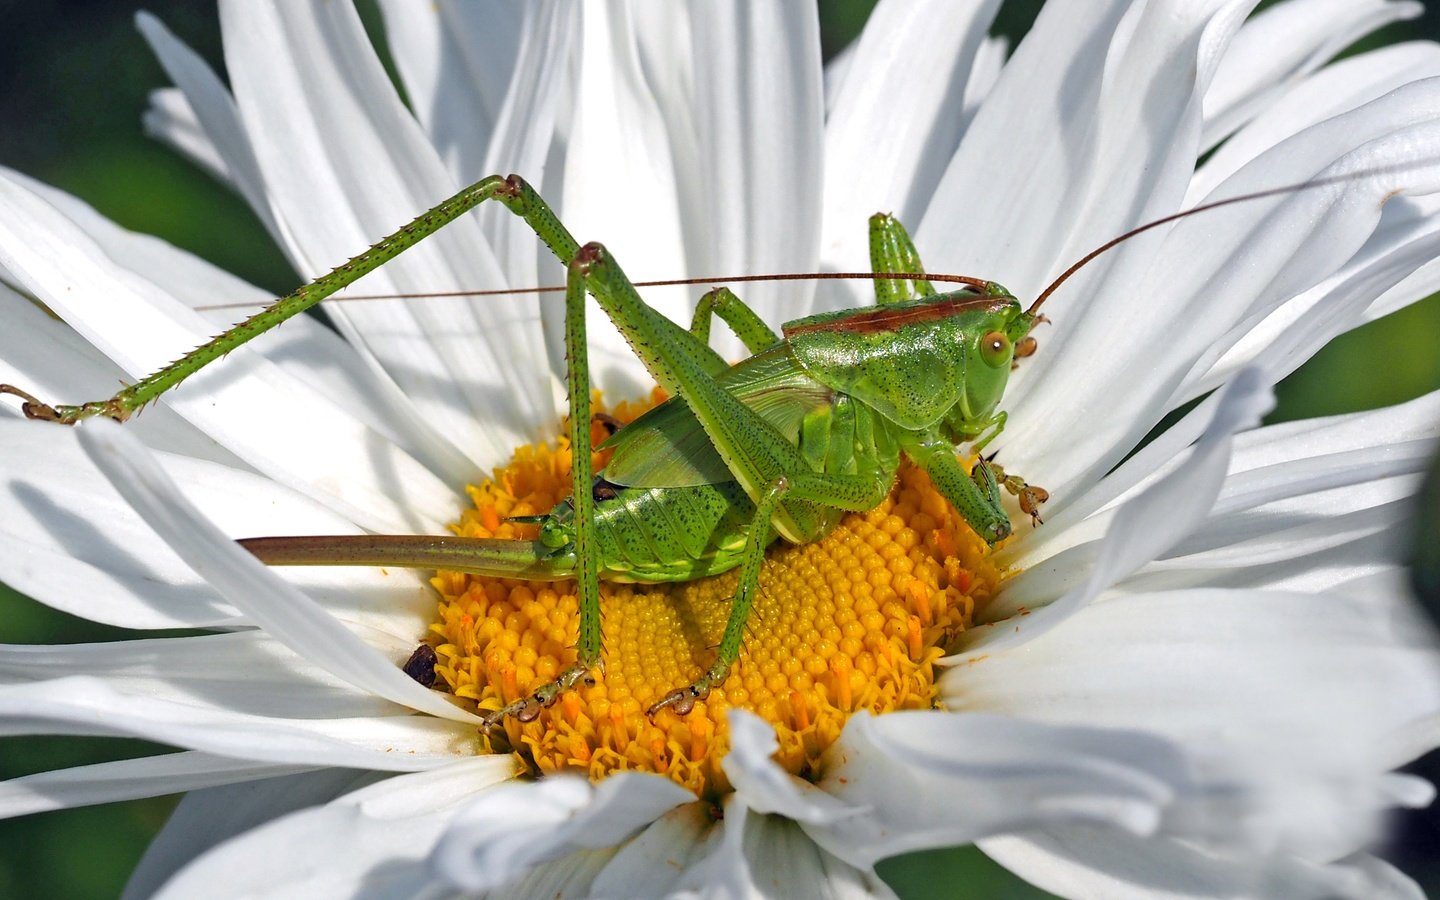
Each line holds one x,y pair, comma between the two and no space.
65,415
1029,495
683,700
528,708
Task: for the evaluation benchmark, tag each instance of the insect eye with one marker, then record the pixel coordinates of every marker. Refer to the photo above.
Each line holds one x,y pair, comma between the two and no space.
995,349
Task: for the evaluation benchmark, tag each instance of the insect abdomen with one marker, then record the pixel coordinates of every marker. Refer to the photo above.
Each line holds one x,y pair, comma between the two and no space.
667,534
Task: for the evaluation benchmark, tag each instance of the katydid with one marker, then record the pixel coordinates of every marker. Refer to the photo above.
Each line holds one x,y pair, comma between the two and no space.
811,425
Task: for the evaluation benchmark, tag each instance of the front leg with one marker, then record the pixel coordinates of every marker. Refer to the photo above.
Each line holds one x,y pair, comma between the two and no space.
977,498
1029,495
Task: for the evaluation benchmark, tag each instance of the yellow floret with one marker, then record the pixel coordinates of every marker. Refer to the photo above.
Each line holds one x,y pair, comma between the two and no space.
852,622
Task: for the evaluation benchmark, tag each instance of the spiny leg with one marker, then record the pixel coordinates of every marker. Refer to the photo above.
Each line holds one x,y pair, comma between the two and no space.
513,191
587,568
748,327
145,391
891,250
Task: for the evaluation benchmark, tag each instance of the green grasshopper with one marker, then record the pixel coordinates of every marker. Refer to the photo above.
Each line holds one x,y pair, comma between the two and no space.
811,425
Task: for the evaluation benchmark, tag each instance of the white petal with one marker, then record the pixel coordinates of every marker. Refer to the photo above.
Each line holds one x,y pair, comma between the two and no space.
206,818
356,166
1149,524
86,706
128,779
283,611
1281,44
77,545
526,138
932,779
651,863
456,60
759,113
171,120
1396,268
517,827
338,365
304,348
1065,153
373,841
206,98
762,784
1090,862
893,128
1337,88
783,861
1222,272
246,672
620,185
1261,686
45,357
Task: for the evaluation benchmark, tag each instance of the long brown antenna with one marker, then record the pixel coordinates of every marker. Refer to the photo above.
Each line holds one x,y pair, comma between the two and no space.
1204,207
980,283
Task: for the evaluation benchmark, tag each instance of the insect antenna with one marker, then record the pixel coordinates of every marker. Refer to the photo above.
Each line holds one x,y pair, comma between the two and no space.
970,281
1114,242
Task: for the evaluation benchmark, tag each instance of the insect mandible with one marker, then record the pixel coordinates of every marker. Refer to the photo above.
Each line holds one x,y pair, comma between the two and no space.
812,424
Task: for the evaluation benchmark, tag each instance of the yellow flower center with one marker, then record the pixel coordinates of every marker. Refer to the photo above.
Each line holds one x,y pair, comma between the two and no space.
853,622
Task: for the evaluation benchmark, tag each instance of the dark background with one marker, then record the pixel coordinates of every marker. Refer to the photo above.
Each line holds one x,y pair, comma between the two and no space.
74,75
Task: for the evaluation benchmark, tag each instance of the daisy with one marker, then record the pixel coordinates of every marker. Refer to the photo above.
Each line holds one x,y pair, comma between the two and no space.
1195,678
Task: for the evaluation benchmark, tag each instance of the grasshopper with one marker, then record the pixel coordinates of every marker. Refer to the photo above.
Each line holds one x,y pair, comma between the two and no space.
811,425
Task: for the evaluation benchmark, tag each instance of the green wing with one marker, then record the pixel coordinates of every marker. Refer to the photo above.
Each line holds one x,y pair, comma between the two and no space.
666,447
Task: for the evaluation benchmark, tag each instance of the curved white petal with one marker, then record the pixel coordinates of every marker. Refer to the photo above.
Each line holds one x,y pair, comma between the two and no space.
206,98
284,612
515,828
892,129
246,672
1223,271
370,842
620,185
206,818
1147,525
45,357
274,422
310,73
86,706
129,779
1337,88
456,59
759,118
1279,46
652,863
1260,686
1082,861
527,136
916,780
304,348
1065,152
75,544
171,120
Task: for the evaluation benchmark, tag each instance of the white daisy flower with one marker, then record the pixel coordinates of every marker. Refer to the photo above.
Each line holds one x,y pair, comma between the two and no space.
1195,679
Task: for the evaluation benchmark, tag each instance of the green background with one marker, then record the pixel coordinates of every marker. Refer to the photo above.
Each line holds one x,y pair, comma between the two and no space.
75,75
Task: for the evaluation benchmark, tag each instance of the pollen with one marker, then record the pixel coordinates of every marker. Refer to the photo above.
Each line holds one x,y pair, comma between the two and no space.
853,622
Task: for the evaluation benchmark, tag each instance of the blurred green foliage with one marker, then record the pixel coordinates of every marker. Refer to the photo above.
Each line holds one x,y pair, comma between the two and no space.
76,75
